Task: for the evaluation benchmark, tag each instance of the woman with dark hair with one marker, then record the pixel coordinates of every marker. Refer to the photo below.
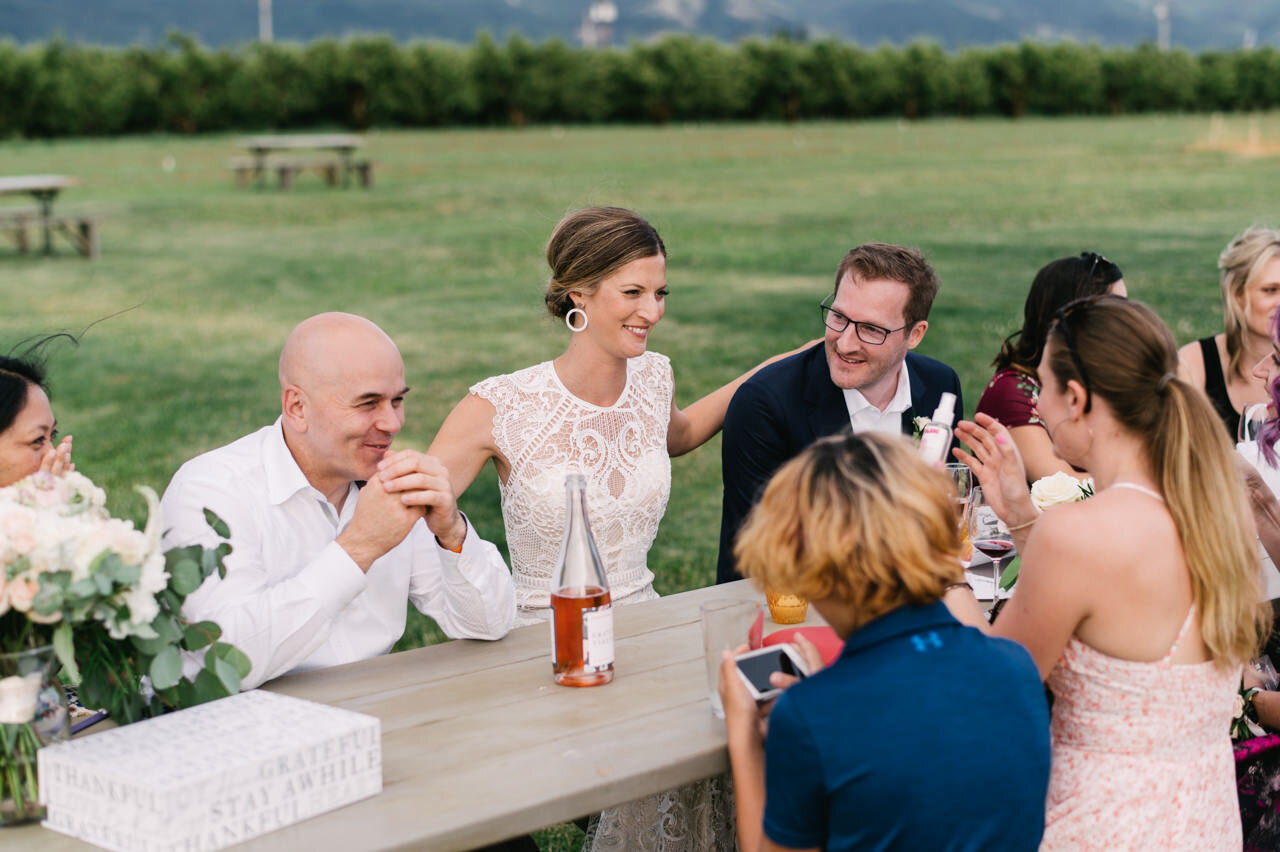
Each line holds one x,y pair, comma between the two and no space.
1010,397
28,430
1250,281
1140,604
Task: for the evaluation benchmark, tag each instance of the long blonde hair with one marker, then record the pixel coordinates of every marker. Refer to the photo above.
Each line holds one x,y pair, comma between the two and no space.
1129,359
1241,263
855,518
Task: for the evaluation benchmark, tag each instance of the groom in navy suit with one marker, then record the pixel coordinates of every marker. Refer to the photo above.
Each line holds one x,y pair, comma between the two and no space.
863,377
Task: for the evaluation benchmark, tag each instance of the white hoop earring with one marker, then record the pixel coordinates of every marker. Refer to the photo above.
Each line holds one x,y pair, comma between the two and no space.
568,320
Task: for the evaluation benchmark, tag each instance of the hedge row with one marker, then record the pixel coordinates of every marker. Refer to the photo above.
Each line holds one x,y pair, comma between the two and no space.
62,89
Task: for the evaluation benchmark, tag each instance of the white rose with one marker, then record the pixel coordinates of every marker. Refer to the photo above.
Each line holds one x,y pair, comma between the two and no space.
142,606
17,529
18,698
1058,488
154,577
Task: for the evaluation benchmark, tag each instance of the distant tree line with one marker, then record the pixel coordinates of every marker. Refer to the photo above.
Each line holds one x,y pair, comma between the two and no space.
62,89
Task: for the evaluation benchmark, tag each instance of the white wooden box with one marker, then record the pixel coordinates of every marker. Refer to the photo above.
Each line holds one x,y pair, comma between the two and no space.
210,776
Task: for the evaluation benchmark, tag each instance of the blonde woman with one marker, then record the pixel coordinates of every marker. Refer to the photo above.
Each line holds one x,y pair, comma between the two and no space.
1139,605
1221,364
924,734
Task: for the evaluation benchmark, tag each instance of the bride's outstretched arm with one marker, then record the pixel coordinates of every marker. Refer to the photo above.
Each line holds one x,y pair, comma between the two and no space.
695,424
465,442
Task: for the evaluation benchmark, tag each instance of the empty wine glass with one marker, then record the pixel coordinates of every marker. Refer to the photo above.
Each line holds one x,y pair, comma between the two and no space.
989,535
1251,420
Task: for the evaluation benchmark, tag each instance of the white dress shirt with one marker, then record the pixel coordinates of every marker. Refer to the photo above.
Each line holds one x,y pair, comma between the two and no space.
293,599
865,417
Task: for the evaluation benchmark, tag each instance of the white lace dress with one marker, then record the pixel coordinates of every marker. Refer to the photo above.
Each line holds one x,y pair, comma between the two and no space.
546,433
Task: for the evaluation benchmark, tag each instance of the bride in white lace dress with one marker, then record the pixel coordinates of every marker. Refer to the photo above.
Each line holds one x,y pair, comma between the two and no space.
605,409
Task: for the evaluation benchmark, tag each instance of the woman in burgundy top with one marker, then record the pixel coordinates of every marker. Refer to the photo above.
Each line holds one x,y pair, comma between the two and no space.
1010,396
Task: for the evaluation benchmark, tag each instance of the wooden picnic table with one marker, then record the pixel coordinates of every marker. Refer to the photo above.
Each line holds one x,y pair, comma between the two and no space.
479,744
44,188
343,144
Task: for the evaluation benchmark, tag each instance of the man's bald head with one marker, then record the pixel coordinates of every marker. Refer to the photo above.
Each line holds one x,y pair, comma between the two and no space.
342,396
321,348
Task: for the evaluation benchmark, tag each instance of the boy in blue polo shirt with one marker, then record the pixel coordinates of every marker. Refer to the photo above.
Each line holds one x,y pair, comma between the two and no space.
924,734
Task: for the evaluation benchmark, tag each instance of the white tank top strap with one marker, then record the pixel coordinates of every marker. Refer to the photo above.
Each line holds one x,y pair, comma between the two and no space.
1182,632
1133,486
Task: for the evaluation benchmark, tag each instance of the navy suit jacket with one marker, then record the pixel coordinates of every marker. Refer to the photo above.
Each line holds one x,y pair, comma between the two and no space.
786,407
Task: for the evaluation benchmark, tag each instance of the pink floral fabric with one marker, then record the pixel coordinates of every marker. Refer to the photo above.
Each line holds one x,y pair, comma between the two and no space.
1142,754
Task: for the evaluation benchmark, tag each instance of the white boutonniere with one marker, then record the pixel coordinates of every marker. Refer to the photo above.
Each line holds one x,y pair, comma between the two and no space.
917,426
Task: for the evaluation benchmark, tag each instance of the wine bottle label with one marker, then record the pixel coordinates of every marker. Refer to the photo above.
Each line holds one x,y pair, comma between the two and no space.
597,638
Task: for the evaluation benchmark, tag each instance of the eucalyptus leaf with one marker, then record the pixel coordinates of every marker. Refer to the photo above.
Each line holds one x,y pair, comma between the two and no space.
1010,574
185,577
151,646
208,687
128,575
166,668
85,588
227,675
197,636
219,526
176,554
48,600
65,647
233,655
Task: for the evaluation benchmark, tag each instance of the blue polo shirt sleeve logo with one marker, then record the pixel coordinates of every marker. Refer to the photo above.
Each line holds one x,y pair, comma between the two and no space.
924,643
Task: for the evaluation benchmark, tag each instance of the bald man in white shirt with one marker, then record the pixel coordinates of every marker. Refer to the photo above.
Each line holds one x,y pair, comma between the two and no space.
321,568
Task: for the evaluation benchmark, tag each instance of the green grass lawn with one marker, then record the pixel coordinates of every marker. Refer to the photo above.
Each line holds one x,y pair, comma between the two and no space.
445,252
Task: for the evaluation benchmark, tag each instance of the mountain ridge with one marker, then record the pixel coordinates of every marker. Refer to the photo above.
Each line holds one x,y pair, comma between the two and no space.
1196,24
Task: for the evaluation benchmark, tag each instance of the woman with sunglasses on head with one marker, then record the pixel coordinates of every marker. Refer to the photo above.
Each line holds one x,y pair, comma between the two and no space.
1010,396
1140,604
1250,282
605,409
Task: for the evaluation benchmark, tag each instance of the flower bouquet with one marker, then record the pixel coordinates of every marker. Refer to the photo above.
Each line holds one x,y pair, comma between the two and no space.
91,594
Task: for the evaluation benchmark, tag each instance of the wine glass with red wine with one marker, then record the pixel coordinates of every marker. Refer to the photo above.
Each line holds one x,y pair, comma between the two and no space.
989,535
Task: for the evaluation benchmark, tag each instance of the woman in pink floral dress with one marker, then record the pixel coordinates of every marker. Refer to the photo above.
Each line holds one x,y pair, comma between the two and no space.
1139,605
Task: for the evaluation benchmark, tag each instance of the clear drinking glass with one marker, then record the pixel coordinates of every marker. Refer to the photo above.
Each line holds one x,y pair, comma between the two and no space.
989,535
726,624
963,479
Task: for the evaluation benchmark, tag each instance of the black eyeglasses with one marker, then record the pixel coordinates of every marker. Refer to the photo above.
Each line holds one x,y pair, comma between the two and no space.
1060,321
869,333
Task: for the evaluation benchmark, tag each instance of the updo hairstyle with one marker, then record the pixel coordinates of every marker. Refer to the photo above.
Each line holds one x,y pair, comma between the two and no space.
589,245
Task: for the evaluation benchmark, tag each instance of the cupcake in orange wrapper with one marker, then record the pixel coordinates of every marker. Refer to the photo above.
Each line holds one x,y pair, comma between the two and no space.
786,609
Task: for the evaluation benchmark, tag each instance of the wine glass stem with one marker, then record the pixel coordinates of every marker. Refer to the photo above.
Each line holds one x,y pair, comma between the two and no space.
995,581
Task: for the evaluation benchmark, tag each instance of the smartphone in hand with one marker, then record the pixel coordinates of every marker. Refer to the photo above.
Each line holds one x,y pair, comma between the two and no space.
755,667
